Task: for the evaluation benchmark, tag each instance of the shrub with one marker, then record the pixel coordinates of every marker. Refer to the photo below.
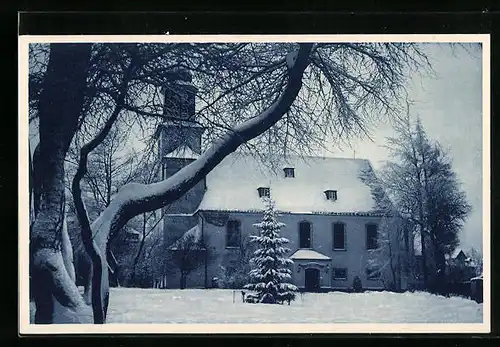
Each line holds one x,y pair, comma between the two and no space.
357,287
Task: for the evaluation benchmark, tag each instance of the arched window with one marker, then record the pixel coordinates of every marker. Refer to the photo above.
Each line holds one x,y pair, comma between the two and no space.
305,234
233,234
339,237
371,236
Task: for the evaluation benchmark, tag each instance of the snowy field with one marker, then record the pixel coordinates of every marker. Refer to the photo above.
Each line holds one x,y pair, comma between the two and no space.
216,306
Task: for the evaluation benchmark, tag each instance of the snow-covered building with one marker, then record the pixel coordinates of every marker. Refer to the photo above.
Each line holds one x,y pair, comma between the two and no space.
331,215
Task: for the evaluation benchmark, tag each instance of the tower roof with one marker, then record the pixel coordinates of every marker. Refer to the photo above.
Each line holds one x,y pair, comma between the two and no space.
182,152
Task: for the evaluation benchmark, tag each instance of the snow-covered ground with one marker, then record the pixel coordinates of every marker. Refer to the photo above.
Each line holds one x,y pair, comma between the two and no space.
216,306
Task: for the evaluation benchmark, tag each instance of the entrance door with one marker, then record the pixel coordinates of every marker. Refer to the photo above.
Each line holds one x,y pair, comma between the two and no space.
312,280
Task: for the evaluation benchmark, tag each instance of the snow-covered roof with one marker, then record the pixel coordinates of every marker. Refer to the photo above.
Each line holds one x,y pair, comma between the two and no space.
232,185
194,233
183,152
308,254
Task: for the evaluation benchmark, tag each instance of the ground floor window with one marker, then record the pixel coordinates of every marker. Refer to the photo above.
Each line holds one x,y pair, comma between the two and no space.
373,273
339,274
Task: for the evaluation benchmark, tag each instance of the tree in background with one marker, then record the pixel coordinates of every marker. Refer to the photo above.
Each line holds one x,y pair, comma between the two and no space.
426,191
270,266
189,253
152,263
392,255
235,274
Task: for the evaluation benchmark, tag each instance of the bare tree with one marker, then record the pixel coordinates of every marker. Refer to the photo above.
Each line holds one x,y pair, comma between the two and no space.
59,105
295,94
150,223
391,257
235,273
189,253
393,252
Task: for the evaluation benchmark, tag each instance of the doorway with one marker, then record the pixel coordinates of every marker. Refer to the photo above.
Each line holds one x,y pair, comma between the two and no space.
312,280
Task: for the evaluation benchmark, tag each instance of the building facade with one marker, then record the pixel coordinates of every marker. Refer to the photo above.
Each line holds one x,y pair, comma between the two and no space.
332,218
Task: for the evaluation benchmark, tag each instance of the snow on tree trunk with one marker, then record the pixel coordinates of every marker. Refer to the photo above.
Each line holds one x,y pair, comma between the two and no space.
56,296
271,268
134,199
67,250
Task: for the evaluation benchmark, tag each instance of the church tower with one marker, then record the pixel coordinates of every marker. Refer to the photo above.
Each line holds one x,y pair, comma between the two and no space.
179,145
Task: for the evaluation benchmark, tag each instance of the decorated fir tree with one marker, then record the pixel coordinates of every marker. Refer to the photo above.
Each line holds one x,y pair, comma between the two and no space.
270,267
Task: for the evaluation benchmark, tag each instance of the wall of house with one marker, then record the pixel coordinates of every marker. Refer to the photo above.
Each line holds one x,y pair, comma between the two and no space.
177,220
355,258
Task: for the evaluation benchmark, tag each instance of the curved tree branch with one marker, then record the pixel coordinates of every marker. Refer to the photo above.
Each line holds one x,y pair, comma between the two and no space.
86,231
134,199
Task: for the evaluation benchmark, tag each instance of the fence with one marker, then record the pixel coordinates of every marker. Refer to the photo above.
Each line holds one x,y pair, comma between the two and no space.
477,289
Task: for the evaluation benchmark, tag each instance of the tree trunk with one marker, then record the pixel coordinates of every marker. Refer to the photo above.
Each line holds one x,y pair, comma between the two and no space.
56,296
440,267
424,257
183,281
67,250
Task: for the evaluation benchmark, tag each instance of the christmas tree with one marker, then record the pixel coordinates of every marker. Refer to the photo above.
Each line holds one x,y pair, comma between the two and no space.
270,268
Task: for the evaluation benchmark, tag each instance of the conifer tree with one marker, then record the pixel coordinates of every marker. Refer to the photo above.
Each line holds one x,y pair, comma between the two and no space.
270,267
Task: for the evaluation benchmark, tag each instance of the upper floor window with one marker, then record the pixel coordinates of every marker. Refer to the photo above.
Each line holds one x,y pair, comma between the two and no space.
233,233
339,237
305,234
289,172
371,236
264,192
331,194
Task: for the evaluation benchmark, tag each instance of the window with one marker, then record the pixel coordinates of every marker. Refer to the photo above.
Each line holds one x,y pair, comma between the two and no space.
233,235
338,236
305,234
331,194
289,172
371,236
339,273
264,192
373,273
